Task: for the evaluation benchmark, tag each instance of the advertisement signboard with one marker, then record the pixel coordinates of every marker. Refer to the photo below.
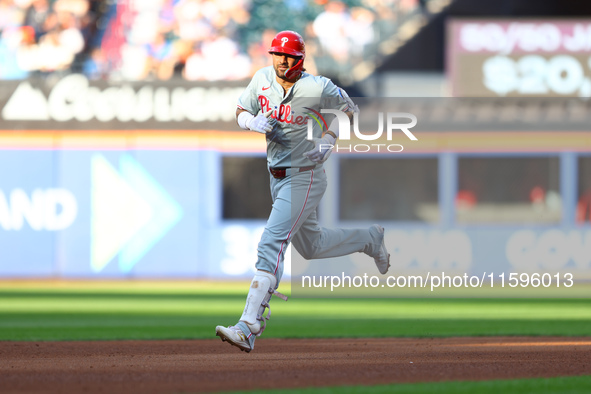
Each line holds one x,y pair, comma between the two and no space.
513,58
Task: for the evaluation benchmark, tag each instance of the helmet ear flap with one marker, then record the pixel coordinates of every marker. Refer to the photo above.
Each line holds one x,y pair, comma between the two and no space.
296,70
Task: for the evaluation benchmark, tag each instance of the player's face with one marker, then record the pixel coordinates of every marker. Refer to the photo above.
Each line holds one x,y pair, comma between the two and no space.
283,62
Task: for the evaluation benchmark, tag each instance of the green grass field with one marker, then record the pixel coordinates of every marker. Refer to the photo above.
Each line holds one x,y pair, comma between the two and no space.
168,310
567,385
60,310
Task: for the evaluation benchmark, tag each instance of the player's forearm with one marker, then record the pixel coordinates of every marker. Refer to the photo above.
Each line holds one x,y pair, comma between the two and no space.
243,118
333,129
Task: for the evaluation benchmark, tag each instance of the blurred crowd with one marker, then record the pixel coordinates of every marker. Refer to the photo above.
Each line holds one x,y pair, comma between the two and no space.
198,40
43,36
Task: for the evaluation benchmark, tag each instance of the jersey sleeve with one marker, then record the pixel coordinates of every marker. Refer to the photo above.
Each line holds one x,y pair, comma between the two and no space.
332,97
248,100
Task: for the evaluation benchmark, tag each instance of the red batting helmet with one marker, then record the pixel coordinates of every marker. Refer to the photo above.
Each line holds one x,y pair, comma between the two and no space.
291,43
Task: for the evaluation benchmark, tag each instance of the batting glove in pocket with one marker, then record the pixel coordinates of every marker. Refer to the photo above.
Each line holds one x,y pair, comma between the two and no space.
322,149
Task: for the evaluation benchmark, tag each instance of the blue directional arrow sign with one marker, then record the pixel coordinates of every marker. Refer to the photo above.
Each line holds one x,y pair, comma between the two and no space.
130,212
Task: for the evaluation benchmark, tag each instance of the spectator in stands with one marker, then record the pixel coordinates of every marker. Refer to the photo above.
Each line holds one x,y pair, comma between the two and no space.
219,59
163,38
360,30
52,54
161,57
134,61
182,50
36,17
27,52
96,66
50,36
11,15
195,67
330,27
70,36
11,41
191,23
78,8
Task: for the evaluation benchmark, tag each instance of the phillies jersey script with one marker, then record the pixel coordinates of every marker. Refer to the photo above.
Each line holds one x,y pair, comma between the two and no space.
287,143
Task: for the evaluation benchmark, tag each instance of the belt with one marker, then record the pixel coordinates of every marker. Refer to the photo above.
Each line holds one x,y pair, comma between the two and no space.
282,172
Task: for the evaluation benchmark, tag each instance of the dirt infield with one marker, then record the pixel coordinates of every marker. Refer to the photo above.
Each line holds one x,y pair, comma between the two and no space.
210,365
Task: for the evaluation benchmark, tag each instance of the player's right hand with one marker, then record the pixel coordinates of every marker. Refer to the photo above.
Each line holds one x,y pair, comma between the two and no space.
262,123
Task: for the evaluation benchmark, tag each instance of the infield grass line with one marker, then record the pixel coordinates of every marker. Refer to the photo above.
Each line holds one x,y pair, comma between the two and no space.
191,310
562,385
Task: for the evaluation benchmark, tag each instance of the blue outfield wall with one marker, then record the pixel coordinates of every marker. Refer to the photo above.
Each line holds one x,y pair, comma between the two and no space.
105,213
158,213
93,188
26,246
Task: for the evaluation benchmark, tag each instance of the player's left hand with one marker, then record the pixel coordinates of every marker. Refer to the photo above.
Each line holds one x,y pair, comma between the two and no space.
322,149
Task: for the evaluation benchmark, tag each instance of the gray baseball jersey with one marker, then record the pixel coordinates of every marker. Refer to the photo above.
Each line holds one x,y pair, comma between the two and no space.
287,143
296,196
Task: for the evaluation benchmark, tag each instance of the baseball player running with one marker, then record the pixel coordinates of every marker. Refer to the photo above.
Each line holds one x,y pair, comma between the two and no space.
298,180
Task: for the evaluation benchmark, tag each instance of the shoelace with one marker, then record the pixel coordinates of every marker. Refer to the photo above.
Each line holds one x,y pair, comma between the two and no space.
262,318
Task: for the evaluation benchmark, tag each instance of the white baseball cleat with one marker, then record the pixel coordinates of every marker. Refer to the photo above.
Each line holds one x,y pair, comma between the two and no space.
234,336
382,257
